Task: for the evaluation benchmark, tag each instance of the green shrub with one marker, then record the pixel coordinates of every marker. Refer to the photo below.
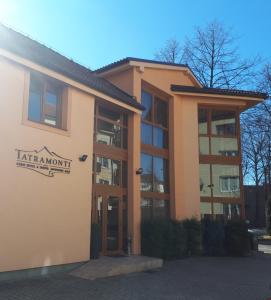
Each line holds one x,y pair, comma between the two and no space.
213,238
164,239
193,230
180,240
236,238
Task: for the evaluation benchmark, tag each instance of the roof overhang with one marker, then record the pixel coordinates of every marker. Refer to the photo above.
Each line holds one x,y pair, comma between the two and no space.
128,63
219,93
36,67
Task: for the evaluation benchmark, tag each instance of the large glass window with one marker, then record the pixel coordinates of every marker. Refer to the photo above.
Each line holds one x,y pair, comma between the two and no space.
45,105
154,157
219,163
111,127
154,177
154,128
217,132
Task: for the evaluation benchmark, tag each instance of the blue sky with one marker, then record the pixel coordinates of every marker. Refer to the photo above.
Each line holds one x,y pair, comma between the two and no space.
96,33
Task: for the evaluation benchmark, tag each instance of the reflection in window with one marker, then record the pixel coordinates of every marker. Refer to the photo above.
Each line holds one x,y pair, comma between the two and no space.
107,171
146,134
204,145
109,114
161,112
159,137
229,184
146,99
226,181
108,133
44,104
205,210
224,146
223,122
147,175
202,120
154,209
226,211
155,174
160,171
154,121
205,180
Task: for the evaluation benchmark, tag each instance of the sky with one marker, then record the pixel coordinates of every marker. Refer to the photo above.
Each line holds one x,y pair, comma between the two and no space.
98,32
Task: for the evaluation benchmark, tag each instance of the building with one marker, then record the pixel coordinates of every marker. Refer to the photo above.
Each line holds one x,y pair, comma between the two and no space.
136,139
255,205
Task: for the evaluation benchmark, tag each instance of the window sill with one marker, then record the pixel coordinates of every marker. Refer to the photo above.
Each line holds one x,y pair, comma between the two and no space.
46,127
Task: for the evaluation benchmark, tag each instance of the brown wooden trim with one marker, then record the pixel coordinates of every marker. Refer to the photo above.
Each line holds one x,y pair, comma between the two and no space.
154,151
219,160
221,200
110,151
155,195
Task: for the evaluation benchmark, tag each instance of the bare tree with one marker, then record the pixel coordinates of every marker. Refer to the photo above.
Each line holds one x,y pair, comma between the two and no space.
212,55
171,53
256,152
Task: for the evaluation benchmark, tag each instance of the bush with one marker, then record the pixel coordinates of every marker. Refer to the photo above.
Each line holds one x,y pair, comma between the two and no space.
193,230
169,239
213,238
236,238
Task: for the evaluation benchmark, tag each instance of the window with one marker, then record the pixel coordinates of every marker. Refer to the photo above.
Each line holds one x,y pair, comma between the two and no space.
217,132
219,181
111,127
45,101
220,163
154,127
154,157
229,184
154,209
110,171
155,174
226,211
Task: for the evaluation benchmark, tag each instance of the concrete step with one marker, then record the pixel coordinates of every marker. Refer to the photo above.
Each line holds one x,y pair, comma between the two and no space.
112,266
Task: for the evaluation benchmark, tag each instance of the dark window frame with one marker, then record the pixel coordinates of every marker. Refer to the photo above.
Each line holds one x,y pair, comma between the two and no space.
47,84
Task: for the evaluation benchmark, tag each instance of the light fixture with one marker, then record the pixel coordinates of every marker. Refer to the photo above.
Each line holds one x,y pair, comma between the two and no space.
139,171
83,157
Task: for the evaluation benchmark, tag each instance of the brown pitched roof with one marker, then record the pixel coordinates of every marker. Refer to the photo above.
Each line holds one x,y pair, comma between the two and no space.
217,91
27,48
128,59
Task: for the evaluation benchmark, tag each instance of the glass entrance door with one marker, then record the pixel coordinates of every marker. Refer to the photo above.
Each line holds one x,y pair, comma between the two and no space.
108,214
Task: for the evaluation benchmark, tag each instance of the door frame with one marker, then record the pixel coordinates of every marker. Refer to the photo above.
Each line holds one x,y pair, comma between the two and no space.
106,191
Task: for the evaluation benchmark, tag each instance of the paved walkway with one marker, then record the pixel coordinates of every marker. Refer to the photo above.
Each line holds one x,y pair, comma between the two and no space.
188,279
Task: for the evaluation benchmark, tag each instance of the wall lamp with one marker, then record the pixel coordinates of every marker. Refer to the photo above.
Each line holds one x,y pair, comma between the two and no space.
139,171
83,157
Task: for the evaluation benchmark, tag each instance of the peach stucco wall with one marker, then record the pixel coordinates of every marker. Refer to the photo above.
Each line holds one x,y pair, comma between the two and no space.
43,220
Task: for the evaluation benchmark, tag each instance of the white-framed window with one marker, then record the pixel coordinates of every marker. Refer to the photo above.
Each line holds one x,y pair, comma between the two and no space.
229,184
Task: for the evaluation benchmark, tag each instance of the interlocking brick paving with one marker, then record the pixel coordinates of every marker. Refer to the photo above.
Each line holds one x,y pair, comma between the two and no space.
188,279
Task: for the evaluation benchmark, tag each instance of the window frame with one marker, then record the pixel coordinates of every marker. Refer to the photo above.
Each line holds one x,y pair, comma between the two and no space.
153,124
122,124
220,159
46,83
154,151
206,157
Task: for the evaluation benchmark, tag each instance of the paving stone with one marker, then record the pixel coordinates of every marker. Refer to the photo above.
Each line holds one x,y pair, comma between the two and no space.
203,278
